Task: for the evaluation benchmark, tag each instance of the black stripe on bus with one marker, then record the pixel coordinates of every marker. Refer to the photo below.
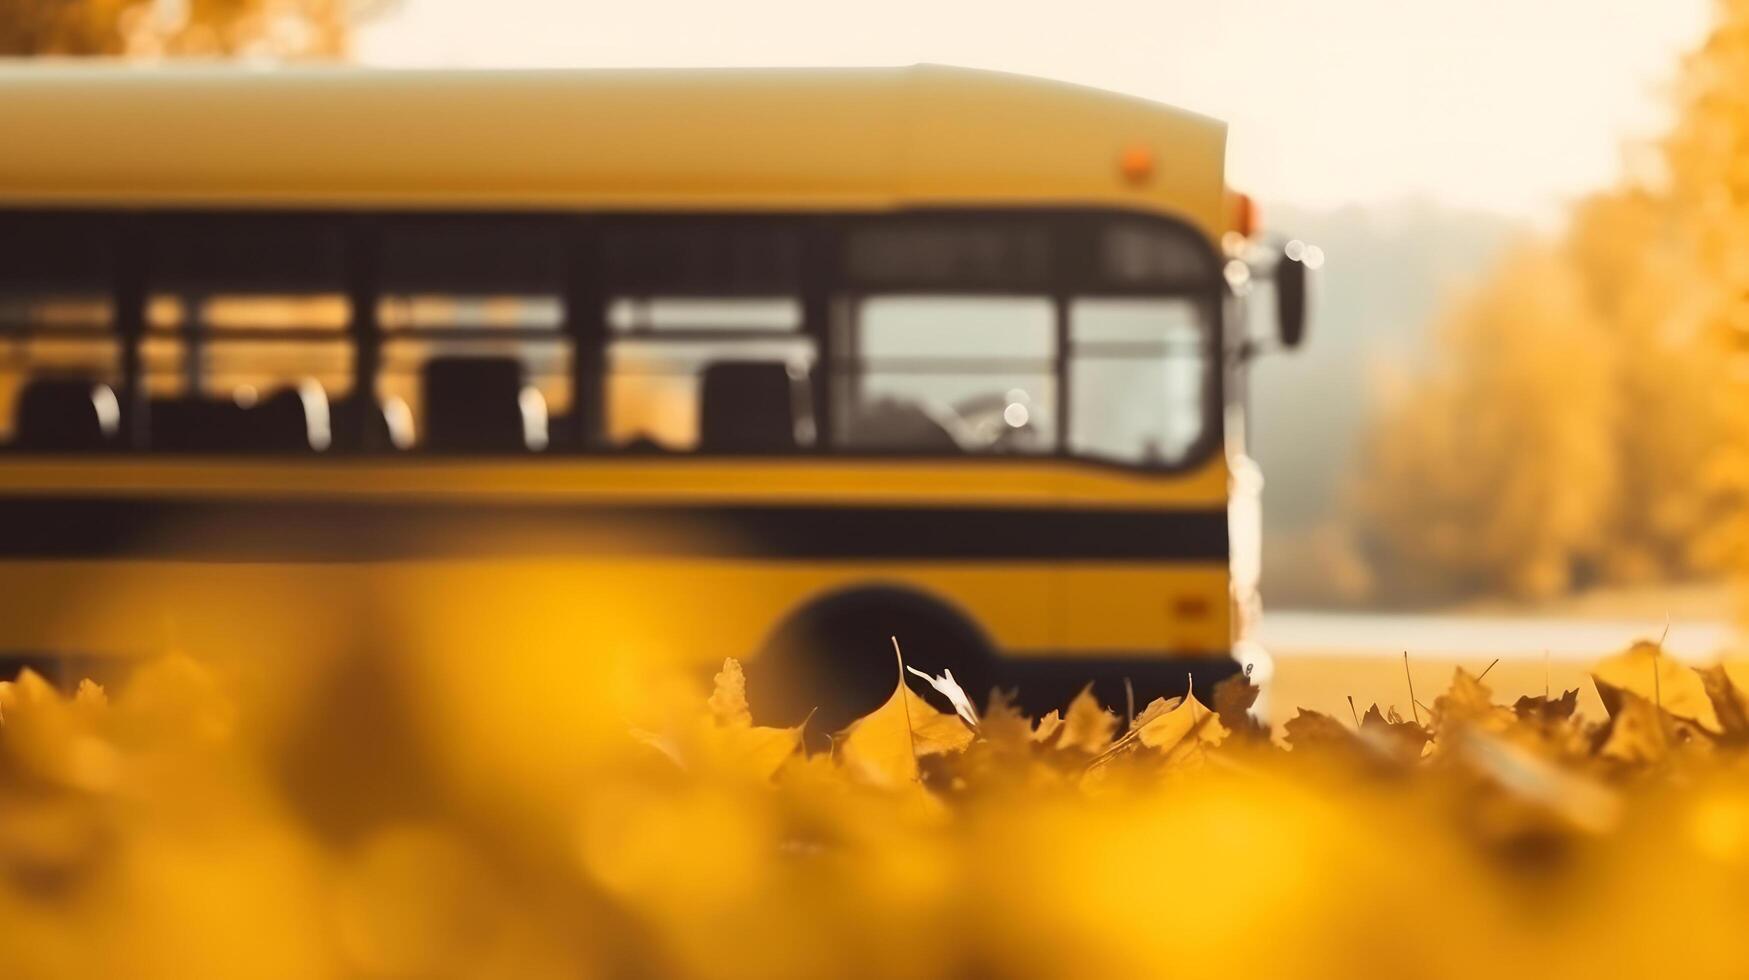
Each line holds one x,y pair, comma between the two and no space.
279,529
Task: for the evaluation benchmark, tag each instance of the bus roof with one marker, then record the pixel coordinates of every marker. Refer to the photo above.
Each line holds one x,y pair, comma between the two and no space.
779,139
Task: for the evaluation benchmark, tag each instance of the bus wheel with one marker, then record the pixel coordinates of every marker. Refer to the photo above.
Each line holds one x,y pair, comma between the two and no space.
834,659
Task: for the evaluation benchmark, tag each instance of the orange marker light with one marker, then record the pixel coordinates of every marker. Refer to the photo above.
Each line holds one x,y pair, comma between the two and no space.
1246,220
1137,164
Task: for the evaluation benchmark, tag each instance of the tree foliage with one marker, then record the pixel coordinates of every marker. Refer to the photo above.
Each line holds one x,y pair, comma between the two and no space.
258,29
1582,417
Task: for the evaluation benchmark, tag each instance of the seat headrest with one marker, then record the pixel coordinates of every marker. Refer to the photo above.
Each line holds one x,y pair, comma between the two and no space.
754,407
480,404
294,419
365,422
67,415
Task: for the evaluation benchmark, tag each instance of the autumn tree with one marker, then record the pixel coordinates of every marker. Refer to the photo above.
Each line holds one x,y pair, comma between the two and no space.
1617,351
1493,470
265,29
1707,156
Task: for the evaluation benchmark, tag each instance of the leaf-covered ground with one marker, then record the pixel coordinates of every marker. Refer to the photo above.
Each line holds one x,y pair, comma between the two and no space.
372,822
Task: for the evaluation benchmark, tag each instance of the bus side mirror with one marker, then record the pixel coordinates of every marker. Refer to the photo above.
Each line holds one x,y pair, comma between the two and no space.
1290,300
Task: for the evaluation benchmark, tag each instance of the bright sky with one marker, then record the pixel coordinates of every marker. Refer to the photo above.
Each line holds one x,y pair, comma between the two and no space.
1506,105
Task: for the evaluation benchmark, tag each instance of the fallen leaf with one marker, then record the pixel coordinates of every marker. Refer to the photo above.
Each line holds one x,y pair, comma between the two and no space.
950,689
1233,700
1576,801
1643,669
1469,703
758,752
1155,709
1087,726
1540,708
1314,729
1047,726
1003,725
878,747
1729,699
1636,733
730,740
1403,739
935,732
1190,721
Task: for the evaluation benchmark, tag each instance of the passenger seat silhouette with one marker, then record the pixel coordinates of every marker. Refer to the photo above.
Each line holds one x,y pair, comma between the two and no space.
481,405
67,414
754,407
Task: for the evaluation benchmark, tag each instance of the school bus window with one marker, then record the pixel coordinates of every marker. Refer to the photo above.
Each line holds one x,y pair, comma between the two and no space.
72,312
705,351
938,373
248,253
1139,373
478,395
743,255
656,396
26,359
724,314
1132,253
472,311
943,253
251,311
43,336
426,311
472,254
56,305
246,343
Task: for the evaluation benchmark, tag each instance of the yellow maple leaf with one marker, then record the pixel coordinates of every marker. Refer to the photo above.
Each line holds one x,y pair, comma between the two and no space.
1047,727
1645,670
934,732
1468,702
1190,721
882,748
758,752
1087,726
1392,735
1313,730
878,747
730,739
1003,725
1728,697
1637,732
1155,709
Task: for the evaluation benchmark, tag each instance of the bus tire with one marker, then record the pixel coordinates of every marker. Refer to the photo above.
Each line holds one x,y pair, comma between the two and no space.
832,661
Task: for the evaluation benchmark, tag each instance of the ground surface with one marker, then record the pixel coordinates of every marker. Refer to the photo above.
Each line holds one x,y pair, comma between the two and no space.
1323,658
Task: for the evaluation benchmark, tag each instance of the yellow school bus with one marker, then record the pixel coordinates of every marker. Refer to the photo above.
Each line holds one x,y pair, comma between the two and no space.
818,357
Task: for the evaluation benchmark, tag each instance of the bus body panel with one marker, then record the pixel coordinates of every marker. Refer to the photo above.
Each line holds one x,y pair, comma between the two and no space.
631,140
692,609
1024,549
